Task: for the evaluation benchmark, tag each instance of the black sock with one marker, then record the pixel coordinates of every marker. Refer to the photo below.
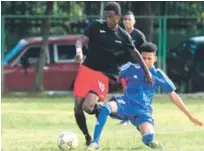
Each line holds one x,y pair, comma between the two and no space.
97,109
81,122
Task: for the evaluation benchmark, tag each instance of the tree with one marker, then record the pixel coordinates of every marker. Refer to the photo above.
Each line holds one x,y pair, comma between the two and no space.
38,83
146,25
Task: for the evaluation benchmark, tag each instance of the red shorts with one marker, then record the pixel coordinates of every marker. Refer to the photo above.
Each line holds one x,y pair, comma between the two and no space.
89,80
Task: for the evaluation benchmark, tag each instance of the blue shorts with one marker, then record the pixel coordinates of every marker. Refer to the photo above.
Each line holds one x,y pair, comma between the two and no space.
132,112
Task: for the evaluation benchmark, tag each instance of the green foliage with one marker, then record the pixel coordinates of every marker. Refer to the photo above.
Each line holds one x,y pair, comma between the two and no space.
33,124
76,11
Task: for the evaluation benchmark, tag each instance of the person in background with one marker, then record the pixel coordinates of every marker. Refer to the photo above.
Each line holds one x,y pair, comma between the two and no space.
129,22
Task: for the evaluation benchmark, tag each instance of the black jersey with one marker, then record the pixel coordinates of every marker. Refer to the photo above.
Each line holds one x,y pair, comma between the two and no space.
107,49
138,38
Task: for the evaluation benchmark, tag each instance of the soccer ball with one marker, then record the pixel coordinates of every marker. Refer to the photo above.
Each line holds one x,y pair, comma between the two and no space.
67,141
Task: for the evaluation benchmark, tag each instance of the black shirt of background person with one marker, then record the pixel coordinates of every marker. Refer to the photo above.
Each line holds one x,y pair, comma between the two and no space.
138,38
107,49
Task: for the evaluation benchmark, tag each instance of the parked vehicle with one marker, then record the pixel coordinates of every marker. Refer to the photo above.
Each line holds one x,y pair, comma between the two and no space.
59,72
185,64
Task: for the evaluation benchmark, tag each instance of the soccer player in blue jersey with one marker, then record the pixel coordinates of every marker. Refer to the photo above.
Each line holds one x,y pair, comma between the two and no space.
135,104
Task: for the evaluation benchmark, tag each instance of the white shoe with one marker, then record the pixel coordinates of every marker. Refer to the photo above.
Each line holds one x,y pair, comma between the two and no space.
156,145
125,122
93,146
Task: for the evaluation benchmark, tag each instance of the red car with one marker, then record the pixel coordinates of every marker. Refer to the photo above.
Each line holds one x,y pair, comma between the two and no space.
59,72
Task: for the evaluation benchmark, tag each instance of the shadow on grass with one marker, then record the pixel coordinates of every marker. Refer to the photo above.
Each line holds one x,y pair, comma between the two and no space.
121,148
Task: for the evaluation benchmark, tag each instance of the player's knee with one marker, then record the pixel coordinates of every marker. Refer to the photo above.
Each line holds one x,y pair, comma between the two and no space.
148,138
88,108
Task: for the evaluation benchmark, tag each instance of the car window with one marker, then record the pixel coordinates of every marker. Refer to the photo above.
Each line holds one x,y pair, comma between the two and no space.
187,46
181,46
66,52
192,47
199,55
31,54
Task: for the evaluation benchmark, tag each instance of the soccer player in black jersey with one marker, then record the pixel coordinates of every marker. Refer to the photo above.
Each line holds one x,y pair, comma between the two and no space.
138,37
109,46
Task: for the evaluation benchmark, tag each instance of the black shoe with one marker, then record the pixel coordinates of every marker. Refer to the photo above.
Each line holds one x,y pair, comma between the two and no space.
88,140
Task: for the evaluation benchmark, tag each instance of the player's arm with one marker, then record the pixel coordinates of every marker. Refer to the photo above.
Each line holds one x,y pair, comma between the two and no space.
79,45
84,39
174,97
136,55
169,88
143,38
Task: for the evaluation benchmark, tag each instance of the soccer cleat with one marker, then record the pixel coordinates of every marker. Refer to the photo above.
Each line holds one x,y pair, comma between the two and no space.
88,140
93,146
125,122
156,145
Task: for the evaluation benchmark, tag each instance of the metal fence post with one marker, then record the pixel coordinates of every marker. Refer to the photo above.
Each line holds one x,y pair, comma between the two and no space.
164,43
2,52
159,41
159,46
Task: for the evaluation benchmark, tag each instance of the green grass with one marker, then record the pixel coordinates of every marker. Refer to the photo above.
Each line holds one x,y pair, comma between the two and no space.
33,124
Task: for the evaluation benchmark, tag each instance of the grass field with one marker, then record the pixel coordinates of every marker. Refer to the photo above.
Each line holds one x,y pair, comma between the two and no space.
33,124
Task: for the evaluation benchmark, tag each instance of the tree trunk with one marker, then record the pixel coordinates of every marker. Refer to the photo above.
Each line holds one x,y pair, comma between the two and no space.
101,9
38,83
145,25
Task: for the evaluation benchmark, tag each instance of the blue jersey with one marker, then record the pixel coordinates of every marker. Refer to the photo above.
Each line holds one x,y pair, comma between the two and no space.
140,93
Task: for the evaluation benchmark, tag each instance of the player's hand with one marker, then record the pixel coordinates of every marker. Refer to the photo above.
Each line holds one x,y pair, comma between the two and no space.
196,121
79,58
149,78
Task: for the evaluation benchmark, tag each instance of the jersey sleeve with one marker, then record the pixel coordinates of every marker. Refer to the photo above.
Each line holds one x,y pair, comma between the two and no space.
129,43
129,69
142,39
165,83
124,69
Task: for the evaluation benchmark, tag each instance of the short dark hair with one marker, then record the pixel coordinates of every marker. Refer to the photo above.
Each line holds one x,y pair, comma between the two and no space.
129,13
148,47
113,6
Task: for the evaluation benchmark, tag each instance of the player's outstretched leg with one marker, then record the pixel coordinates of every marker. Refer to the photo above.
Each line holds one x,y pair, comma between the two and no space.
147,131
148,139
81,120
102,118
90,106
